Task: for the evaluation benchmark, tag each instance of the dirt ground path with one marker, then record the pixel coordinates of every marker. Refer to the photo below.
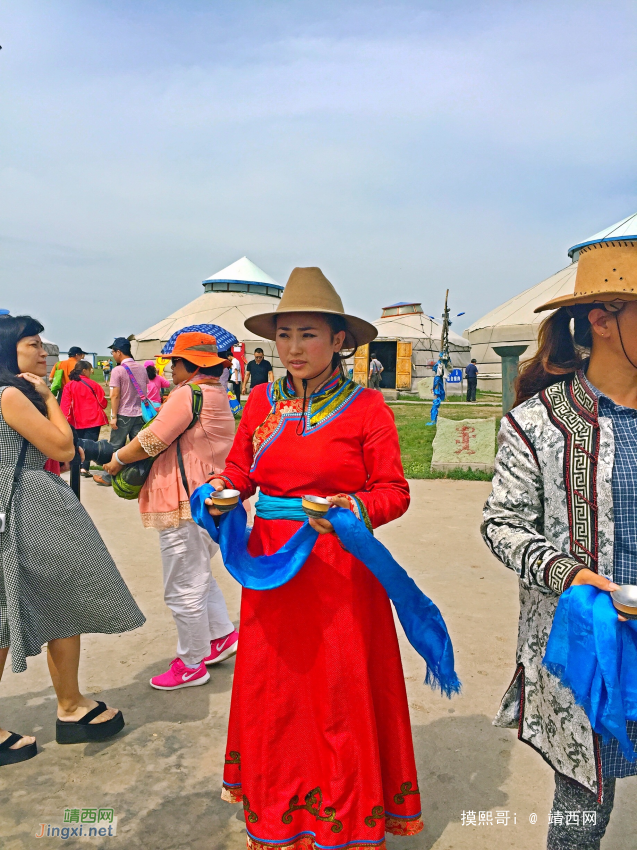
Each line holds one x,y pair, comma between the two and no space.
162,776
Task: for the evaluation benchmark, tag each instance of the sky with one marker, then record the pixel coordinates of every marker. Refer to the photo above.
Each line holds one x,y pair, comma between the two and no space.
403,147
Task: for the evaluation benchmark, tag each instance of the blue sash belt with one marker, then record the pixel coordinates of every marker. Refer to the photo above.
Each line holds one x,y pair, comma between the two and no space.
595,655
277,507
420,618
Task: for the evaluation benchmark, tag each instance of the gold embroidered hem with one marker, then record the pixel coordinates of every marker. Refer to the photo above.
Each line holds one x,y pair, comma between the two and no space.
167,519
403,826
307,842
151,444
231,795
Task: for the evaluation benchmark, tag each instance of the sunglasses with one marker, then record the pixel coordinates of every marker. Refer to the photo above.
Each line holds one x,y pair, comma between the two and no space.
614,306
175,360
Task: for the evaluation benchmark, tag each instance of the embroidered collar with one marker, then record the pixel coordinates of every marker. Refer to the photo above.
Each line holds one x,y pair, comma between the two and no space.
330,400
583,398
284,387
322,407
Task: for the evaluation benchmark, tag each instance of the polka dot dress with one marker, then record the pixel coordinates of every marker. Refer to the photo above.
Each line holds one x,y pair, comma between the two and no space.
57,578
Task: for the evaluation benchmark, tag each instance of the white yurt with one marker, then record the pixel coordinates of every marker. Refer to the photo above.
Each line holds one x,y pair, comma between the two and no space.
52,353
515,323
230,296
408,344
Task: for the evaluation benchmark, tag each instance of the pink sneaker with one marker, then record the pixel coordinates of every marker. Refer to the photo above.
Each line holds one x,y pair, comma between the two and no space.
223,648
180,676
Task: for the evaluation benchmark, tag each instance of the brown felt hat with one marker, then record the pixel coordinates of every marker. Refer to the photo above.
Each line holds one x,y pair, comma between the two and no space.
606,271
309,291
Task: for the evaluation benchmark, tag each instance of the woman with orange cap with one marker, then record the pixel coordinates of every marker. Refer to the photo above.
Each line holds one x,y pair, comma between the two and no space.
189,445
562,514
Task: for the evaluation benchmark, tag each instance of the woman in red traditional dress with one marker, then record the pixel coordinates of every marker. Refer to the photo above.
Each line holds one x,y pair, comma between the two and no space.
319,741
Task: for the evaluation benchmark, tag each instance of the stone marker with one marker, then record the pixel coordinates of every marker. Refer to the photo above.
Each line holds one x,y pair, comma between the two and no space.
425,387
464,444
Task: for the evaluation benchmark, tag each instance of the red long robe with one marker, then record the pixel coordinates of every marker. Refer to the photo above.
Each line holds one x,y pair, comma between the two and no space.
319,741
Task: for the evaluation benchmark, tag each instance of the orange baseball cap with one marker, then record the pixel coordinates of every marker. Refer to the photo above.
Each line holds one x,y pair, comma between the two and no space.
198,348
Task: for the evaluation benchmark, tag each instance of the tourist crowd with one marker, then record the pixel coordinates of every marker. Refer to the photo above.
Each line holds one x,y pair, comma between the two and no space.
319,709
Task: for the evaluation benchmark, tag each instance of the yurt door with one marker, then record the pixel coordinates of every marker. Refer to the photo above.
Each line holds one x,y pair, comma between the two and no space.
403,366
361,365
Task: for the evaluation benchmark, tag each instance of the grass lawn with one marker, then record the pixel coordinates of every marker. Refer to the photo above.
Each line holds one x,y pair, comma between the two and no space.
416,438
481,395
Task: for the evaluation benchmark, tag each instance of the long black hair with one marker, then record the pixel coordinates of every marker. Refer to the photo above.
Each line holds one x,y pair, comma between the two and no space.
12,330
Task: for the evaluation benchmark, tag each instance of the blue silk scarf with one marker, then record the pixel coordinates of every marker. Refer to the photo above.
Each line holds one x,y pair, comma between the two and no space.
420,618
595,655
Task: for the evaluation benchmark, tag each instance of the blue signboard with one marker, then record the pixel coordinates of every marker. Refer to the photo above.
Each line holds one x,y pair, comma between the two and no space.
455,376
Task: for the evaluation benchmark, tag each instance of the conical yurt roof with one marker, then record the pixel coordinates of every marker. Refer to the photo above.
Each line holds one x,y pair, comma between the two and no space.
229,309
624,229
415,326
242,271
514,322
518,311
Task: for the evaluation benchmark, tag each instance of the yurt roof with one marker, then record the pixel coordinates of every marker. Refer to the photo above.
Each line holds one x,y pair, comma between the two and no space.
243,271
228,309
415,326
624,229
50,347
519,309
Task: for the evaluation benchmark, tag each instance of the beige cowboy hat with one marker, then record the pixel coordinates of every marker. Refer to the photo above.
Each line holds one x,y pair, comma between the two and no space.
606,271
309,291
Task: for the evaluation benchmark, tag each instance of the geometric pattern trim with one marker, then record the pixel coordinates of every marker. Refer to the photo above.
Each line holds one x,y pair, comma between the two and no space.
567,409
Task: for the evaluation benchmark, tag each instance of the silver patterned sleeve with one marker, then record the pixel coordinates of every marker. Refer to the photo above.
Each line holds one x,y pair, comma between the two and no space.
513,517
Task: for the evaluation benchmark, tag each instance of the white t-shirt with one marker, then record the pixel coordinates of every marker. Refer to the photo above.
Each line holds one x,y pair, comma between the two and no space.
235,374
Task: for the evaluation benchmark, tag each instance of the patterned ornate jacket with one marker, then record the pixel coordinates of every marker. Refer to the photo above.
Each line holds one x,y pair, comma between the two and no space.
549,515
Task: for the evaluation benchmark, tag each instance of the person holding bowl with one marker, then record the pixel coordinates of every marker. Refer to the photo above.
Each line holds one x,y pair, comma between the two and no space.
319,741
562,513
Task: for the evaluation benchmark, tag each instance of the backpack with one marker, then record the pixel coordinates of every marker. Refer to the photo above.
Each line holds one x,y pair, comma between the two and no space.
129,481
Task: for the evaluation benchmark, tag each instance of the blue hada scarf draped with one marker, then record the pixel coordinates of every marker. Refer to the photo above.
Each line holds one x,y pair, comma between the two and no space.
595,655
420,618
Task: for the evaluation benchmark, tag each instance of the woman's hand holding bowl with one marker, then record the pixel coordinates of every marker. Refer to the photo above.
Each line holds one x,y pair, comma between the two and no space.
324,526
216,484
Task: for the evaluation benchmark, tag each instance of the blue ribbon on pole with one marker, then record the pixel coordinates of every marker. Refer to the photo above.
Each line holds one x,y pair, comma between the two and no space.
595,655
420,617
